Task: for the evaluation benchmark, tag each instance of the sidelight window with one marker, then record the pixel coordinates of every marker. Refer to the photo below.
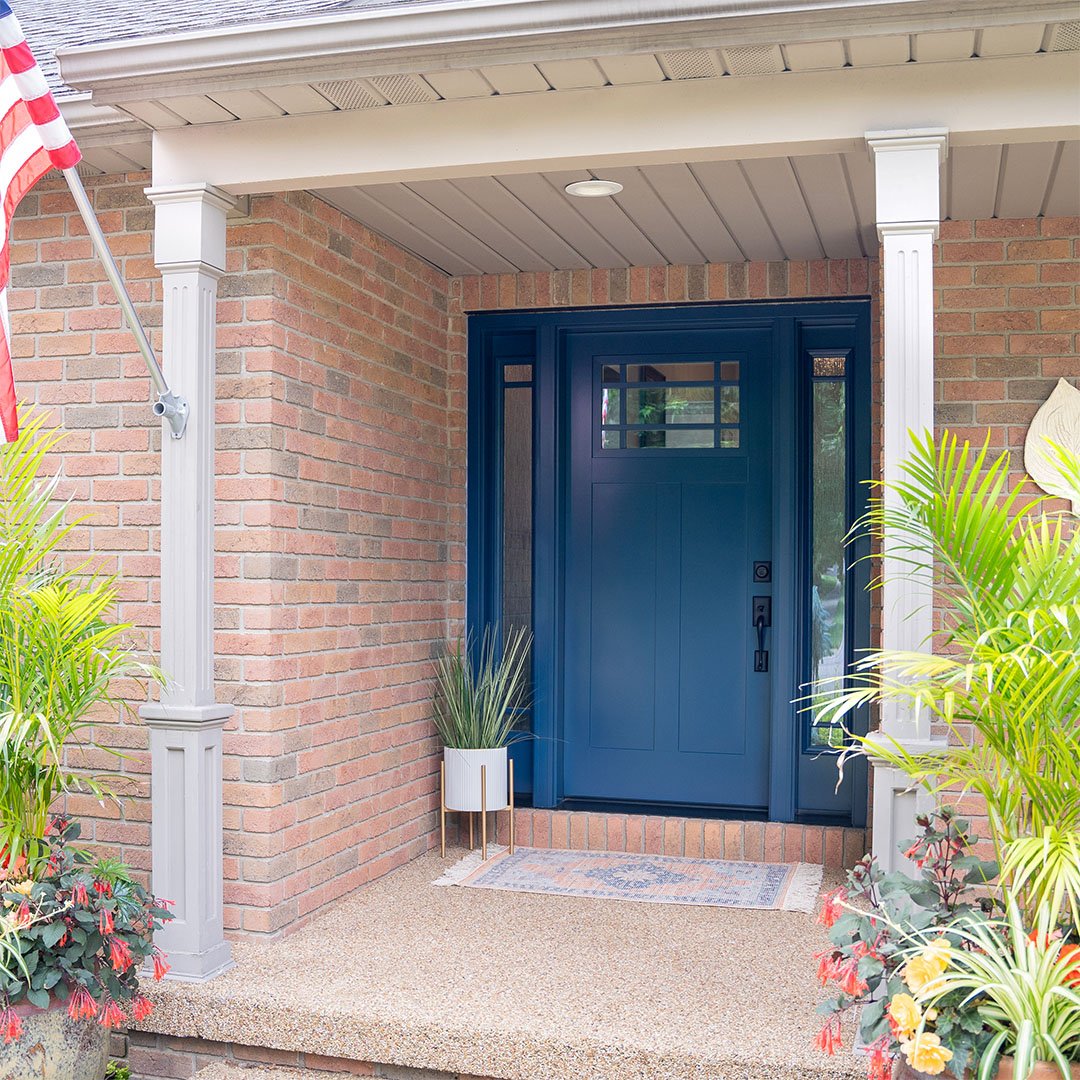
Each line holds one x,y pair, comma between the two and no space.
829,523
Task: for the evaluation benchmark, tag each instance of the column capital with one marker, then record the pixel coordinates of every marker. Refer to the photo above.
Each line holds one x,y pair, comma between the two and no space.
907,172
189,232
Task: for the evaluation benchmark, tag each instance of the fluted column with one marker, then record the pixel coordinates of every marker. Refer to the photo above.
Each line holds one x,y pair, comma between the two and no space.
907,173
185,726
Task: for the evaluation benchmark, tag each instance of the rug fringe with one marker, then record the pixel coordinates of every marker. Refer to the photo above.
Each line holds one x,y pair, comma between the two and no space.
803,891
454,875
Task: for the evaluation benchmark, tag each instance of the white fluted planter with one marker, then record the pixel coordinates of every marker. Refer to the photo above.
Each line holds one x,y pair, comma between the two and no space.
463,779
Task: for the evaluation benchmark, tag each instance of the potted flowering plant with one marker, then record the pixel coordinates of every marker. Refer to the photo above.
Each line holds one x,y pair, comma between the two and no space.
1024,987
477,703
942,983
947,984
76,928
83,928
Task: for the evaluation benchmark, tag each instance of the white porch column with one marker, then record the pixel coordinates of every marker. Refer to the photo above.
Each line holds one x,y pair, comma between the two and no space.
908,176
185,727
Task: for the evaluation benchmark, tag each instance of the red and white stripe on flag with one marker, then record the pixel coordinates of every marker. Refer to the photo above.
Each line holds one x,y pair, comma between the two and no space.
33,139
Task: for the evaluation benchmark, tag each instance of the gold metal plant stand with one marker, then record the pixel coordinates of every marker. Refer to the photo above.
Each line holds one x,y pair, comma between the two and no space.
472,813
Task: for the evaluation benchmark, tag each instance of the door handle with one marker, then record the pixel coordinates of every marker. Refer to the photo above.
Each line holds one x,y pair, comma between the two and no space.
762,618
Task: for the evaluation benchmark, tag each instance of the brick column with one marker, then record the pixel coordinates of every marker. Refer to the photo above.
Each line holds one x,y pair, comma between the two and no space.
185,735
907,168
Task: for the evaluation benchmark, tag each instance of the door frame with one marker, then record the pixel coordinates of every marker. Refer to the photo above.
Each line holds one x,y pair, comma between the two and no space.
536,337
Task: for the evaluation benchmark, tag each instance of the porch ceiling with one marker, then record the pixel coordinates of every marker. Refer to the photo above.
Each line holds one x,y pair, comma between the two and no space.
808,207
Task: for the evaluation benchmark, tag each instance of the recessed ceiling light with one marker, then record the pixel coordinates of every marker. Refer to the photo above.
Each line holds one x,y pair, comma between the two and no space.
593,189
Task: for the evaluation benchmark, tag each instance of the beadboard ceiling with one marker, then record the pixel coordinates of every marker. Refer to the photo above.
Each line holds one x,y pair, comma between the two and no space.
766,208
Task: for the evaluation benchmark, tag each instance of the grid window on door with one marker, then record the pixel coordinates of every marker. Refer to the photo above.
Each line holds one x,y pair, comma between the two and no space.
692,405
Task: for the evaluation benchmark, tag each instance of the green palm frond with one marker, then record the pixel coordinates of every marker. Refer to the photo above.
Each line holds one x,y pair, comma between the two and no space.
61,651
1005,683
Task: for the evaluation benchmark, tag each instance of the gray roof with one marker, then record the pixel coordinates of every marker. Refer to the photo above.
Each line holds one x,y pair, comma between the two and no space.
53,24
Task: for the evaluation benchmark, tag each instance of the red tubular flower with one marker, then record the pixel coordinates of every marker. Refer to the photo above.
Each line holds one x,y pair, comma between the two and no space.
23,917
79,894
880,1060
111,1014
102,888
105,922
828,968
832,908
161,966
141,1007
119,954
81,1005
828,1040
850,982
10,1025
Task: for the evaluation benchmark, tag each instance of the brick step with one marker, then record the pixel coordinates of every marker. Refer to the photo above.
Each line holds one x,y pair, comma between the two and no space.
831,846
222,1070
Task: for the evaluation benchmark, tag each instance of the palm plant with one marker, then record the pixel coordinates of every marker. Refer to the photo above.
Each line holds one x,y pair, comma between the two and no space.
60,650
478,698
1045,872
1004,679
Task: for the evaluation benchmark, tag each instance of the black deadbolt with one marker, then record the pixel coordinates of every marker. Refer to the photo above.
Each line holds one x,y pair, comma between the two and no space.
762,571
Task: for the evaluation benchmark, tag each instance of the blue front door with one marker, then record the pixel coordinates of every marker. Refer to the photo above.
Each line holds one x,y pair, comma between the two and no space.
668,497
637,479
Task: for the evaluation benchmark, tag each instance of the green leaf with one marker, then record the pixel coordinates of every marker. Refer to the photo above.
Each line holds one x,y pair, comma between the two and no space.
52,933
40,998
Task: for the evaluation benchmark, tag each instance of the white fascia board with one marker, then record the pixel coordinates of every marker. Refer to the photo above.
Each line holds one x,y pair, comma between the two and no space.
468,33
1016,99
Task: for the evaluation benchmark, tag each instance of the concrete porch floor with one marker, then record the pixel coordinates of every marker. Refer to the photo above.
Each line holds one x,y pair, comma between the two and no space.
522,987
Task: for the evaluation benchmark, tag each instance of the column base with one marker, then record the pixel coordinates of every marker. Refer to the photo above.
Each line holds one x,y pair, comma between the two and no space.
186,834
200,967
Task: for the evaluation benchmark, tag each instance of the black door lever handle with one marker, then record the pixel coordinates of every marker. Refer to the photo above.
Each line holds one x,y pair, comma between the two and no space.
762,609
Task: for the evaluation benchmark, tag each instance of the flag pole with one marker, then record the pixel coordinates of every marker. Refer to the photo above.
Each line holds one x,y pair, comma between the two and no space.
173,408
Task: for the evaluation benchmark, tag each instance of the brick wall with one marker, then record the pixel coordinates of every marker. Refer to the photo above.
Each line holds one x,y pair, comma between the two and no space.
340,461
339,522
341,540
1007,324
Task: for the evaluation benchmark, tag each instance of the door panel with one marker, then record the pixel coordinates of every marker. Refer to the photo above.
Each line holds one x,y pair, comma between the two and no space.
668,504
714,519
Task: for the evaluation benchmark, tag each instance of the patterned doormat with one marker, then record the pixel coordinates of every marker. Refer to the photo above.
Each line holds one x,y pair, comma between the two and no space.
651,879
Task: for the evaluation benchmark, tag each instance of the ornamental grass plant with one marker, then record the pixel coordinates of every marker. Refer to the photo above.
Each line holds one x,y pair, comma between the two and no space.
481,688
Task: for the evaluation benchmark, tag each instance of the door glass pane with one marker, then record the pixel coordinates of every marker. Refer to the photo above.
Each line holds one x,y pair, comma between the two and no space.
671,438
688,372
829,480
673,405
517,530
517,507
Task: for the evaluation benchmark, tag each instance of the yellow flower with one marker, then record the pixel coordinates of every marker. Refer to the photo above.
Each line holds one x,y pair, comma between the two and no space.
23,887
905,1015
927,965
939,951
926,1054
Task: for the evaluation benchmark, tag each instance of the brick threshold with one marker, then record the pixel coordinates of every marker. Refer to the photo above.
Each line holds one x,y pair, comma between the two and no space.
832,846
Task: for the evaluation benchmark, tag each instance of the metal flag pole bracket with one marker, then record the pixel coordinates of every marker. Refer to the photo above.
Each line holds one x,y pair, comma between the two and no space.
169,406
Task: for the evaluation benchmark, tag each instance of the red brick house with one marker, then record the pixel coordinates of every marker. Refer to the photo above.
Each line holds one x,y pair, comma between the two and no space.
426,390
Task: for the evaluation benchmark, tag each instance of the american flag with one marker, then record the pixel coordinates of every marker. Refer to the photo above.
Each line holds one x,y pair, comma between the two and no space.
33,140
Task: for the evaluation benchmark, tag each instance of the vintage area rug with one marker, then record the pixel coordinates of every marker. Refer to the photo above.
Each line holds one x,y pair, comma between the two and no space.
652,879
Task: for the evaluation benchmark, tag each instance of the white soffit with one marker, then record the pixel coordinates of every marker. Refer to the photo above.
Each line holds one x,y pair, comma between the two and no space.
810,207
